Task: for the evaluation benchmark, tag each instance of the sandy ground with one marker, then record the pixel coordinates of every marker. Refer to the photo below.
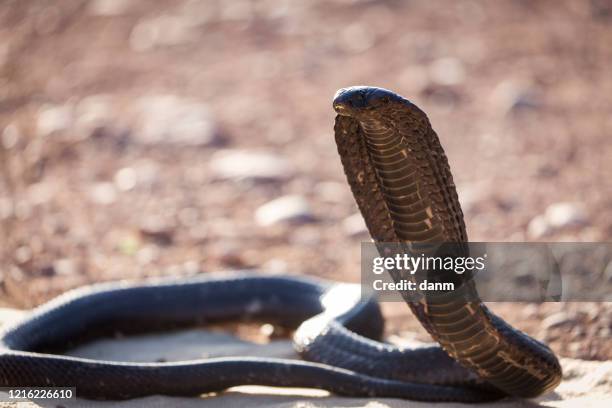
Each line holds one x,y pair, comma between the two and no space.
117,118
114,136
585,383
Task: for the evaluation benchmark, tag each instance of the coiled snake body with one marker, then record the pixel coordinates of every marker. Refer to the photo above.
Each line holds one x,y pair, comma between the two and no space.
401,181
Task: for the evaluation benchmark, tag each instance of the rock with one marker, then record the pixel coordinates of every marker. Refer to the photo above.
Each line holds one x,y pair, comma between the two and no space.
147,173
557,217
232,259
10,136
355,226
525,102
157,231
103,193
447,71
538,227
47,270
246,165
147,254
275,265
23,255
513,97
531,311
287,209
556,320
41,192
65,267
170,120
54,118
128,245
565,215
229,254
191,268
125,179
94,112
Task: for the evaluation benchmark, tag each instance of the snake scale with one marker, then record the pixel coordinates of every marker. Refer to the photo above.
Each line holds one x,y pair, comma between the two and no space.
402,183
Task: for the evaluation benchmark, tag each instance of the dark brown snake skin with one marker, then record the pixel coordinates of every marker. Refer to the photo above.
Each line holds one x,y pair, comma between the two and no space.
403,186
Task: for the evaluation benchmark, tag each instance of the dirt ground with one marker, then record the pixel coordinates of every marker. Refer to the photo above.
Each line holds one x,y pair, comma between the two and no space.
119,116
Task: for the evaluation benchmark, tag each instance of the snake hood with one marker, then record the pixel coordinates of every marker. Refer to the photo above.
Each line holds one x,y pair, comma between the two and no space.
402,183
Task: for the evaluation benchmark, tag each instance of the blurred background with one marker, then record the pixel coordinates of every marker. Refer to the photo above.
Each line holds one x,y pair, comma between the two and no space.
144,138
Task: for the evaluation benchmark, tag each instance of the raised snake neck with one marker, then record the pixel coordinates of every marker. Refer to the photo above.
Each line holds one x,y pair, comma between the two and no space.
403,186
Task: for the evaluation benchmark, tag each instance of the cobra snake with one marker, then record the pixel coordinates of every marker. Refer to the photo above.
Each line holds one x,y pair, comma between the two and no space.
401,181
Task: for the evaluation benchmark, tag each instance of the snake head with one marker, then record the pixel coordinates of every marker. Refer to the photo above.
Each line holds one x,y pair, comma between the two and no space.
358,101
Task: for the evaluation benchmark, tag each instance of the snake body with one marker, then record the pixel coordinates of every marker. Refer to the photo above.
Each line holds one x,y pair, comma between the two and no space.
401,181
403,186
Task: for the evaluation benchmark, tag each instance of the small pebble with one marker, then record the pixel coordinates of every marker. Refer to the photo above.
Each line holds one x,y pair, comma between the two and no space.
275,266
53,119
65,267
10,136
22,255
94,112
557,216
355,226
513,97
556,320
125,179
447,71
245,165
171,120
287,209
157,231
147,254
565,215
128,245
538,227
231,256
530,311
41,192
103,193
191,268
